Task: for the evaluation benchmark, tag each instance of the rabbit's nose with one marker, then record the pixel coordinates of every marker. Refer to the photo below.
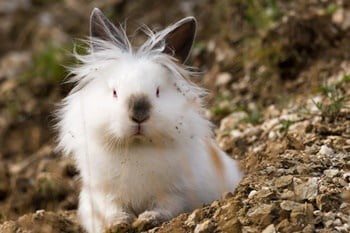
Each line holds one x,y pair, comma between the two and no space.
139,118
139,108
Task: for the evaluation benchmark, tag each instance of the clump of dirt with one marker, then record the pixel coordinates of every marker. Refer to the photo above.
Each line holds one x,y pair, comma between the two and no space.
43,222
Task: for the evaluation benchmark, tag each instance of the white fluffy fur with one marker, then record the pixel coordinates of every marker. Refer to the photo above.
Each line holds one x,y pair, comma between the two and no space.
171,169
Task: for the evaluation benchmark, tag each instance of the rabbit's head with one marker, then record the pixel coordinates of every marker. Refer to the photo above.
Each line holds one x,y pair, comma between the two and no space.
137,95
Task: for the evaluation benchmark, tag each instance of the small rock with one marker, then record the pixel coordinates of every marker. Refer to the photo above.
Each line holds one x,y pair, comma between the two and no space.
283,181
264,193
272,135
232,120
331,172
235,134
204,227
325,150
261,213
307,190
268,125
289,205
302,213
290,117
287,195
337,222
223,79
194,218
269,229
215,204
252,193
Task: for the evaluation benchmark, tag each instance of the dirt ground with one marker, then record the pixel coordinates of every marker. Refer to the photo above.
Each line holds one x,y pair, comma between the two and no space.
279,76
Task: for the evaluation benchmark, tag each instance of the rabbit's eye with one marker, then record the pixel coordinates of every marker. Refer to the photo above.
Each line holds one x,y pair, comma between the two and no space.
157,92
115,94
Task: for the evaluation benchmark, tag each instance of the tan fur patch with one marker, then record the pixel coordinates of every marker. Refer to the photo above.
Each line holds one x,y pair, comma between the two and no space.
215,157
217,163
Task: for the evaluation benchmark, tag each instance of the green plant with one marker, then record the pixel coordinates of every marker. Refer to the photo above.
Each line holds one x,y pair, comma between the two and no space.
220,112
262,13
48,64
285,125
331,9
253,117
346,78
333,103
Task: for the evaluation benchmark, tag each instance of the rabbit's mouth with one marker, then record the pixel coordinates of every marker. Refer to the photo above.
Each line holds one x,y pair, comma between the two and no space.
139,130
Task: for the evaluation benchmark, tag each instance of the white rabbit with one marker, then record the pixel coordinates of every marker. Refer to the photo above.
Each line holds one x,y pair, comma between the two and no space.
134,124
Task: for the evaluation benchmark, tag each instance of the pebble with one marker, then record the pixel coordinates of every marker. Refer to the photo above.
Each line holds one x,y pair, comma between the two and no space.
283,181
194,218
289,205
223,79
325,150
204,227
269,124
331,172
252,193
232,120
269,229
307,190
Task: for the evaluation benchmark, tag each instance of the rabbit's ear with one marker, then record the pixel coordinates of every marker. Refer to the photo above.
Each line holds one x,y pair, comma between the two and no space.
102,28
179,38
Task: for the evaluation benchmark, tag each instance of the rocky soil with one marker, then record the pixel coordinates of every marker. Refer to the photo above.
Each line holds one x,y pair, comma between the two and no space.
279,76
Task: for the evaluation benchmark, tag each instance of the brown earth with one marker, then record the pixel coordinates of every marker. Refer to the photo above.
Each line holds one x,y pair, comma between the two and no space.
279,76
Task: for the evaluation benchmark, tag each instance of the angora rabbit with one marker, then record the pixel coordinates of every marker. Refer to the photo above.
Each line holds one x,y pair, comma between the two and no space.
134,124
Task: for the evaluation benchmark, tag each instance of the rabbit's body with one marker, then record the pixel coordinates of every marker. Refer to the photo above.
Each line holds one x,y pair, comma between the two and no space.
135,126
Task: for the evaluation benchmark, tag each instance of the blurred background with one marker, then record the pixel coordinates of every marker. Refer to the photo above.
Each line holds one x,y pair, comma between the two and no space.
254,54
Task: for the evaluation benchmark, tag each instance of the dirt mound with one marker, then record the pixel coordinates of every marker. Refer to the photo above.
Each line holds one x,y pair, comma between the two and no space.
43,222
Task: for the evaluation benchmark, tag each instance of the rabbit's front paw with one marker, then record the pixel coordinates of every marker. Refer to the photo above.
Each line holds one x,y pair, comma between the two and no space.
147,220
119,227
120,224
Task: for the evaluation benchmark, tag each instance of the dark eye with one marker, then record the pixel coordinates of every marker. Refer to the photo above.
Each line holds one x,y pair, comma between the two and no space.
115,94
157,92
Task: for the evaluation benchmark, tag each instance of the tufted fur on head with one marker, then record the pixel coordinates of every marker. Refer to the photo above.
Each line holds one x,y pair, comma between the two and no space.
134,123
112,64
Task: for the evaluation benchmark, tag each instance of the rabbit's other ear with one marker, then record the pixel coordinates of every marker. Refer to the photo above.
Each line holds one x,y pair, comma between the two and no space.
180,38
102,28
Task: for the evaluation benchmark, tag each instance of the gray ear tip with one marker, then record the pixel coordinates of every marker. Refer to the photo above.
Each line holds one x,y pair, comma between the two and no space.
189,19
96,11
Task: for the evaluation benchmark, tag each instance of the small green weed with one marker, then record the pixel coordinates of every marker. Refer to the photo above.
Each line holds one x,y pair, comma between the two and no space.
331,9
285,125
333,103
49,63
220,112
262,13
254,117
